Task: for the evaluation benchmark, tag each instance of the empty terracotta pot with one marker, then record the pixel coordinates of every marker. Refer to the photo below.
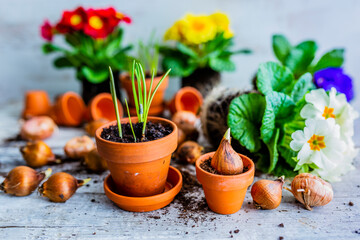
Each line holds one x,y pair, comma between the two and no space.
102,107
225,193
157,105
37,103
68,109
186,99
138,169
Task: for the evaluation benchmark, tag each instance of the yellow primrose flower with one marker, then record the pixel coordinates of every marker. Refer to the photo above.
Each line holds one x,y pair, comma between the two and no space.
228,33
198,29
221,20
173,33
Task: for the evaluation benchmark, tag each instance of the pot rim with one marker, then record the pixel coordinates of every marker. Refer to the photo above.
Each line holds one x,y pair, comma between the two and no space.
65,111
95,100
247,174
126,120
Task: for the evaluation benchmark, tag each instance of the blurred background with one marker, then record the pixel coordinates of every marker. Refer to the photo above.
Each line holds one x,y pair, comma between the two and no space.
331,23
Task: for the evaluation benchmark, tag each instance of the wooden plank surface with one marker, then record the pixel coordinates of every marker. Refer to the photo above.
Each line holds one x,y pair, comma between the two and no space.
89,214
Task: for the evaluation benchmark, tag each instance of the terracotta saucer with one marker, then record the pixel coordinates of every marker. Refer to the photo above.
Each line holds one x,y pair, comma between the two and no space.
146,204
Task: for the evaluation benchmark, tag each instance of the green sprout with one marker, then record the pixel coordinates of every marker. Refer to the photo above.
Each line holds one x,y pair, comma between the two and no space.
114,98
142,97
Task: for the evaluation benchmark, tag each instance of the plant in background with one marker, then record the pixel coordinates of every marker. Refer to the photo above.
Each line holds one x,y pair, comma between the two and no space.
201,41
142,98
93,38
148,54
327,70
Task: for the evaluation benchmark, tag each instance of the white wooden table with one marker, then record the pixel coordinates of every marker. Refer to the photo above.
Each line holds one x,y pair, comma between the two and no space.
89,214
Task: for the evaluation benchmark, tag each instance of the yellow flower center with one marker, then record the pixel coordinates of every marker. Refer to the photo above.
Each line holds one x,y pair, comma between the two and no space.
198,26
328,113
119,15
75,19
96,22
316,142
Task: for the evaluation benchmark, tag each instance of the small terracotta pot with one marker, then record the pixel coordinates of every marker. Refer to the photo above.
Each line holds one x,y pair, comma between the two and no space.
225,193
102,107
68,110
37,103
186,99
157,105
146,204
138,169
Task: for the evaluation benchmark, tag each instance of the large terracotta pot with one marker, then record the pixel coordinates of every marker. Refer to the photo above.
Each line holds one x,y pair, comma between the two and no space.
225,193
68,110
37,103
186,99
203,79
102,107
157,105
138,169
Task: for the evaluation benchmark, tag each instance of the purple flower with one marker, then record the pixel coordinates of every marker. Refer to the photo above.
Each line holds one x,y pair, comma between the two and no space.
334,77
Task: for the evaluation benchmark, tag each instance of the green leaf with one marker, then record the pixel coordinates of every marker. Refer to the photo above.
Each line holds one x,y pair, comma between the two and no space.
272,76
272,147
62,62
242,51
221,64
49,48
300,57
178,66
279,110
333,58
281,47
95,76
186,50
302,86
244,119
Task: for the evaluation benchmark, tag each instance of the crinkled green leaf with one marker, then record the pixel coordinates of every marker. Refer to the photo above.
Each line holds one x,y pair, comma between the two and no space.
244,119
281,47
302,86
186,50
62,62
221,64
272,76
94,76
300,57
333,58
49,48
273,152
179,67
279,110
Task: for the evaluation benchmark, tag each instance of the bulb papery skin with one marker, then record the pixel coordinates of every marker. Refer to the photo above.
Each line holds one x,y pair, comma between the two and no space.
267,194
37,154
38,128
94,162
311,190
92,126
22,181
60,187
189,152
78,147
225,160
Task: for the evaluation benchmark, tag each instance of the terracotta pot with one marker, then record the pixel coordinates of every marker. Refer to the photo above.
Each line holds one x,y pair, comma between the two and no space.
102,107
90,90
138,169
186,99
203,79
225,193
37,103
157,105
146,204
68,110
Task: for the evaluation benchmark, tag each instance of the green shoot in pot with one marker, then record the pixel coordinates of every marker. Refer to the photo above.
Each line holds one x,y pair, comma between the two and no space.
114,98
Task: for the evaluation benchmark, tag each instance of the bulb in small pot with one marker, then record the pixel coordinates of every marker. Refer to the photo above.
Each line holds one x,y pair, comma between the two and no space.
94,162
181,136
61,186
37,154
311,190
189,152
267,194
38,128
78,147
225,160
23,180
92,126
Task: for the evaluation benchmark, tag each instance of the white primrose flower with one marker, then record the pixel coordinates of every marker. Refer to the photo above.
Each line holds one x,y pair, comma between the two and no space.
321,105
320,144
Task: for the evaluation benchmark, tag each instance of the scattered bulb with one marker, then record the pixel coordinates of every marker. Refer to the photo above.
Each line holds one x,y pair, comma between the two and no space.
78,147
37,128
189,152
267,194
